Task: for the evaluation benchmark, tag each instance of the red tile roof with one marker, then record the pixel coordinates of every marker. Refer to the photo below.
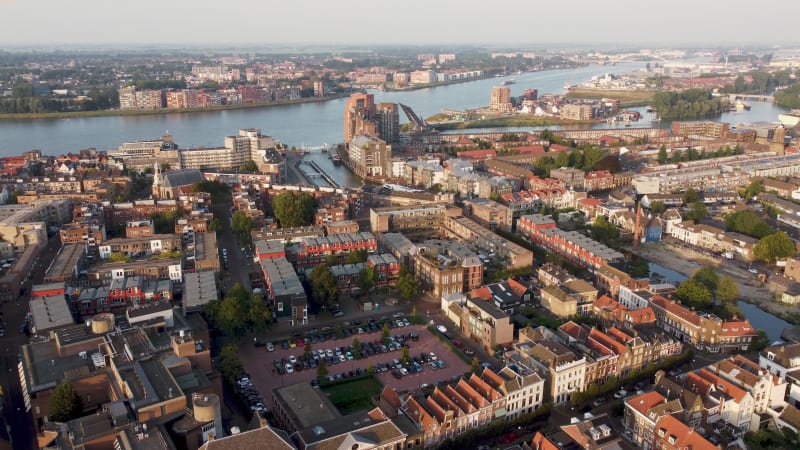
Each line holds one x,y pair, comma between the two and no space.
643,402
683,435
477,154
540,442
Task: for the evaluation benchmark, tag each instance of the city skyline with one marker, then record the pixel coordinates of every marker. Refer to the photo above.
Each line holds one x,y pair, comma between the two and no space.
681,22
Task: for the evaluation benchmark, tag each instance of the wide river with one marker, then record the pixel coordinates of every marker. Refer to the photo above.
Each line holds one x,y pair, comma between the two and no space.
310,124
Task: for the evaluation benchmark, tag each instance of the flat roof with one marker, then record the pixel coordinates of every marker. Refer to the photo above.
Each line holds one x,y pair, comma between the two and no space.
199,288
50,312
305,405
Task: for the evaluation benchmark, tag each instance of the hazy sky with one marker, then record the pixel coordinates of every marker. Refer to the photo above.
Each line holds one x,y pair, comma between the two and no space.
530,22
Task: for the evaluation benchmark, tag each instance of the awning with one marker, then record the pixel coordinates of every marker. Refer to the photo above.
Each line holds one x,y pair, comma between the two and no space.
500,413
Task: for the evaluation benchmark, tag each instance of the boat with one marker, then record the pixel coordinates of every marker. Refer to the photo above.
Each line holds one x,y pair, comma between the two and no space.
509,81
337,160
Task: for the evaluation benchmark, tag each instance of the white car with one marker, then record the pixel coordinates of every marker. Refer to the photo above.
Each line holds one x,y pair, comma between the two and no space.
441,329
329,353
432,356
289,368
292,359
270,347
620,394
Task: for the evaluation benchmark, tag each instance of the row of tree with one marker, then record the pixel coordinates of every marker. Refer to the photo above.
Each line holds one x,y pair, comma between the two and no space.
789,97
691,154
238,312
705,286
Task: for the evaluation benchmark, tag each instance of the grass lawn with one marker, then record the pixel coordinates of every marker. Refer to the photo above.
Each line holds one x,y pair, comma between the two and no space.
626,97
355,395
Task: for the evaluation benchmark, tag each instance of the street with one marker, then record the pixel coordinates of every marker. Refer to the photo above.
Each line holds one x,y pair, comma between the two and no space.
16,421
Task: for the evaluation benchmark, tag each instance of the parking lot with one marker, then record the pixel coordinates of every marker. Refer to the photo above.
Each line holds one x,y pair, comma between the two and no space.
261,365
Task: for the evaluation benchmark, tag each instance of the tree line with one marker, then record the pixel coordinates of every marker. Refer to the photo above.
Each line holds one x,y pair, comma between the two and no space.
688,105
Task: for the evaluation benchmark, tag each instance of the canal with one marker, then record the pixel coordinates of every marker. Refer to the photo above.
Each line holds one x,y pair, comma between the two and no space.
759,318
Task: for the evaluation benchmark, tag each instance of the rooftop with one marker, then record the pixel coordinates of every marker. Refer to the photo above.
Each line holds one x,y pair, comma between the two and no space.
305,405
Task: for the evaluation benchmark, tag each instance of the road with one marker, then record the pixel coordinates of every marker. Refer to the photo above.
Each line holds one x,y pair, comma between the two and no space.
14,416
238,265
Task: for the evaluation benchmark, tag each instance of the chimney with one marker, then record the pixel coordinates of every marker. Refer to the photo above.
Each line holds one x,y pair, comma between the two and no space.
262,422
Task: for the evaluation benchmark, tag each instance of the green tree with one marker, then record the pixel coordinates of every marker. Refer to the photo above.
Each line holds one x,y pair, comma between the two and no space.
307,355
293,209
385,333
407,286
662,154
358,256
242,225
707,277
164,222
749,223
760,342
690,196
476,365
322,370
657,207
165,167
249,167
324,288
13,198
228,363
753,189
356,348
694,293
65,404
259,316
118,257
215,225
727,289
404,358
604,231
774,246
366,279
697,211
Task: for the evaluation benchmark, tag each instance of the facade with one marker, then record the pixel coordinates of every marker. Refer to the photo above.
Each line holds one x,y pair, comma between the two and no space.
483,323
500,99
487,242
718,130
489,213
572,178
285,290
445,267
370,156
406,219
312,251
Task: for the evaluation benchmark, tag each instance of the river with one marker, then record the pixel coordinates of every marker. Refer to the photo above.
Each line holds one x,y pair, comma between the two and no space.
310,124
759,318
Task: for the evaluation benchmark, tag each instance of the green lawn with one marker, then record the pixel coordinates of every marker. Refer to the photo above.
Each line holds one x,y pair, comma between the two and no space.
352,396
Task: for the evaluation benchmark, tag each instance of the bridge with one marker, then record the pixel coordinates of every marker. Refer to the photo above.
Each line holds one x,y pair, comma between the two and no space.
759,98
641,56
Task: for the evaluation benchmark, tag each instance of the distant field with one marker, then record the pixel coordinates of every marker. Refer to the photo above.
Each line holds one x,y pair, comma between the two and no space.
628,98
354,395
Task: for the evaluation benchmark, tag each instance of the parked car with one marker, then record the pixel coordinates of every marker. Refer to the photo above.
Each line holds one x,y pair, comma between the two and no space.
270,347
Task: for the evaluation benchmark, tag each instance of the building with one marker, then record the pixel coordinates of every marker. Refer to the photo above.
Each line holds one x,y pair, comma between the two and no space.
141,246
171,185
489,245
522,387
359,116
565,371
68,264
370,156
285,290
489,213
672,434
446,267
406,219
572,178
576,112
642,412
783,361
501,99
718,130
507,295
312,251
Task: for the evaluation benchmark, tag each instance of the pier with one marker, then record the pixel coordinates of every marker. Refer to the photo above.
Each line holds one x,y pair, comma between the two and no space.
319,173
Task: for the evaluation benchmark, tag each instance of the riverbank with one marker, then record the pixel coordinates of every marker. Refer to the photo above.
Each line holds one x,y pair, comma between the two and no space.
152,112
686,262
418,87
510,121
627,98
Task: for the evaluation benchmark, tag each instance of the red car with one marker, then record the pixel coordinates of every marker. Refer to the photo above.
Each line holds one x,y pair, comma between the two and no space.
458,344
511,437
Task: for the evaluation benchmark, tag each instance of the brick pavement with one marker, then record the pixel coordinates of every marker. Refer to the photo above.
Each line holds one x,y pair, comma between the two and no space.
258,362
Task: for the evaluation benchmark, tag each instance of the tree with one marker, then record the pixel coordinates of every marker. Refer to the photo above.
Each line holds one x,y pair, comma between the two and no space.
118,257
697,211
662,154
759,343
407,286
358,256
215,225
727,289
324,288
694,293
65,404
476,365
259,316
249,167
657,207
165,167
749,223
293,209
307,355
322,370
707,277
366,279
356,348
774,246
690,196
242,225
404,358
753,189
229,364
385,334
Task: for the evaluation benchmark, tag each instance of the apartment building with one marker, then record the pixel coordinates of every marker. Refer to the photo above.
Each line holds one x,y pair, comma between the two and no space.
406,218
715,239
783,361
479,320
599,180
612,279
642,412
526,201
550,274
485,241
489,213
285,290
500,99
576,112
572,178
446,267
563,370
311,251
703,331
145,245
672,434
508,296
767,390
522,387
386,268
163,268
571,245
718,130
370,157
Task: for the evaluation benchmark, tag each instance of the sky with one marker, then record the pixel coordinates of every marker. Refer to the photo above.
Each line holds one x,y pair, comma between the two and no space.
415,22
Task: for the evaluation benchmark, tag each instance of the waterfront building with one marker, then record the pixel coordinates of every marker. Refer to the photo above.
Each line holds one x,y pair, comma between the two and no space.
248,145
359,114
501,99
718,130
370,157
576,112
